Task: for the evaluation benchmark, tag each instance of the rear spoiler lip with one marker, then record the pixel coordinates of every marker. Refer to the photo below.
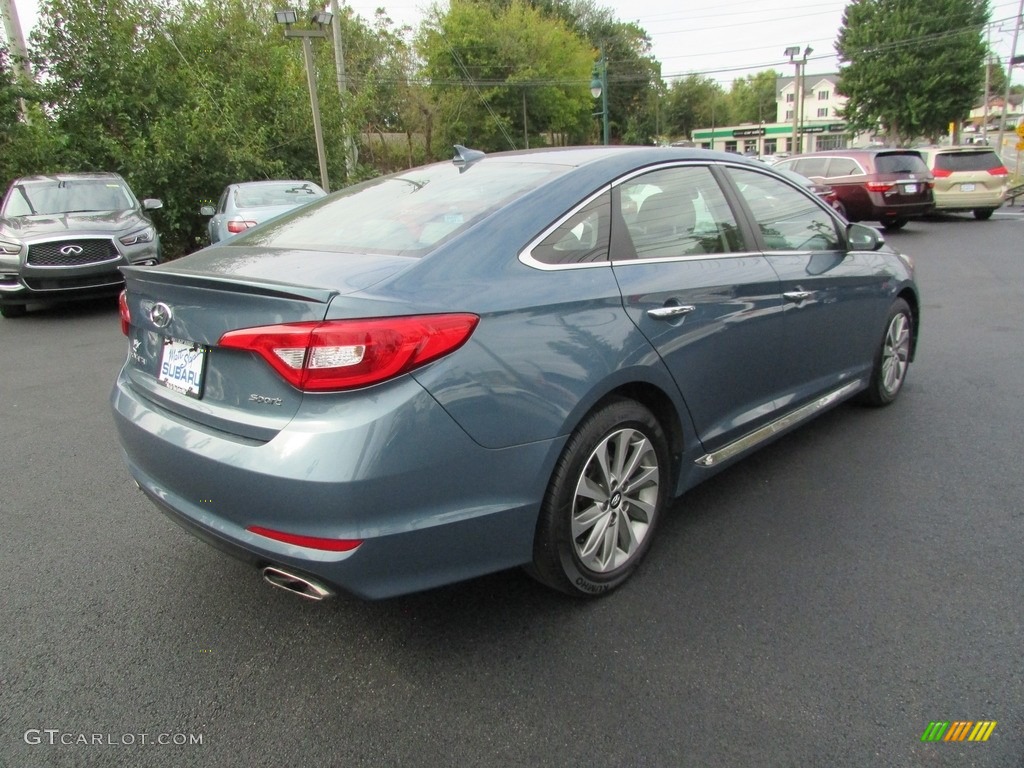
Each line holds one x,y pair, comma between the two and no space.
234,284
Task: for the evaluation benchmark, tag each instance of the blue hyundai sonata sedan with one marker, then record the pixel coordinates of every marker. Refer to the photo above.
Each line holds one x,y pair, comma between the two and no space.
513,359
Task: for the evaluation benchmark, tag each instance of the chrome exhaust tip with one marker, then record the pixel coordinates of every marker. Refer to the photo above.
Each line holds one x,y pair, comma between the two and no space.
297,585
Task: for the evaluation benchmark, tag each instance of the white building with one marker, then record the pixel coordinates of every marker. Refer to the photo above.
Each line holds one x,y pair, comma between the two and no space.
819,127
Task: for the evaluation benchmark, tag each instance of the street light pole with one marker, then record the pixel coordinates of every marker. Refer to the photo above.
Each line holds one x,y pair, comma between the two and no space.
792,51
599,87
1009,77
288,17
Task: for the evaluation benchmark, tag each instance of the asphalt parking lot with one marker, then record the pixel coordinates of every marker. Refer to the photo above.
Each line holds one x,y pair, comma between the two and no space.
818,605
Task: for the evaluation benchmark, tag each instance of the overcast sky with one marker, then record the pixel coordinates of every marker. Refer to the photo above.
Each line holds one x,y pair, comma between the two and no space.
722,40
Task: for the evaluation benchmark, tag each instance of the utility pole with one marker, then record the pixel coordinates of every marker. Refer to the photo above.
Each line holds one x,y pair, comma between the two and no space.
16,39
988,85
1009,77
798,91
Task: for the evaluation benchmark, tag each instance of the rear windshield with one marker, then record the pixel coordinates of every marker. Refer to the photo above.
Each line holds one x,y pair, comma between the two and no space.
407,213
266,195
900,162
982,160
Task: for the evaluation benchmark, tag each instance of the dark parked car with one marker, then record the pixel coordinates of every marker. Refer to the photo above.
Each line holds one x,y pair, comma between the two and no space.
889,186
64,237
244,205
508,360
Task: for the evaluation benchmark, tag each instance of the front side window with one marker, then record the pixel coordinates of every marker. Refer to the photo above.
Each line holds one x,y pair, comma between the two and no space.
677,212
788,219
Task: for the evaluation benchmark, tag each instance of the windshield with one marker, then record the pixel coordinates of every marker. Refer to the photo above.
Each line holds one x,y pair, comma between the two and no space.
408,213
38,198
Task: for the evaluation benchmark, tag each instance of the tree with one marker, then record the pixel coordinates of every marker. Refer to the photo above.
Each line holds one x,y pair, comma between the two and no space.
634,76
752,99
499,76
695,102
910,67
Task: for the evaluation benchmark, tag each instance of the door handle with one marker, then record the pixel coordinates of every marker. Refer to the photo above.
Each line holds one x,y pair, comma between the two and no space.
797,296
667,313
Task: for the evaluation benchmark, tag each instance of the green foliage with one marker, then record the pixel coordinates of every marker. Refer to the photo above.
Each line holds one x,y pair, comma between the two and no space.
500,76
911,66
752,98
695,102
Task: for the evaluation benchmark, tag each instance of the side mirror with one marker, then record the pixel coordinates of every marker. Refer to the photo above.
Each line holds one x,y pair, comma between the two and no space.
151,204
863,238
206,210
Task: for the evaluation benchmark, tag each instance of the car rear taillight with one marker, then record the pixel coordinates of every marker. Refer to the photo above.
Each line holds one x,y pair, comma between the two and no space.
941,173
126,316
336,355
313,542
999,170
234,227
879,186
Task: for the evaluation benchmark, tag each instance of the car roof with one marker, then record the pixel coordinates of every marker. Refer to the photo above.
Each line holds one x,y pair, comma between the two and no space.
937,149
86,176
579,156
855,151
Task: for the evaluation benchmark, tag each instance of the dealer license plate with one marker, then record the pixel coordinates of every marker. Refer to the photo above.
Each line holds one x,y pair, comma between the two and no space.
182,365
966,187
909,189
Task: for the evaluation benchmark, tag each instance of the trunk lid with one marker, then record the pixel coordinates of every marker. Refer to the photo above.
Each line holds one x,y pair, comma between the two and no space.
179,311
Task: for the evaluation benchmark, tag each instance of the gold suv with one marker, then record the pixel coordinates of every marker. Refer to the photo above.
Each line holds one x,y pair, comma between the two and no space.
970,178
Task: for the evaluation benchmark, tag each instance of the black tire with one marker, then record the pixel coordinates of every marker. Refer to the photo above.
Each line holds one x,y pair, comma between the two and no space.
13,310
892,358
983,214
839,208
617,464
892,224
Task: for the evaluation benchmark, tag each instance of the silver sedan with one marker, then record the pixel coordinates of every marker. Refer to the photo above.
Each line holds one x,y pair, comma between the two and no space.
243,206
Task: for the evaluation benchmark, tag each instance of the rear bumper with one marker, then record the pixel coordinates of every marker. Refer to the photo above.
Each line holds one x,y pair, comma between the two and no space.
883,208
425,518
968,201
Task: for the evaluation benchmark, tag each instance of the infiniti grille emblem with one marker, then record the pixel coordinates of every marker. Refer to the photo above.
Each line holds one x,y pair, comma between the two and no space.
72,250
160,315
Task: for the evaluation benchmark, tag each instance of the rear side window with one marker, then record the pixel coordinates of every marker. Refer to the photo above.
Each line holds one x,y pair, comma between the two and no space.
811,166
967,161
580,239
900,162
843,166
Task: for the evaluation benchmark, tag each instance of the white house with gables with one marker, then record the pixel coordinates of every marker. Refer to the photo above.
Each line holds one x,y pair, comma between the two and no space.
819,127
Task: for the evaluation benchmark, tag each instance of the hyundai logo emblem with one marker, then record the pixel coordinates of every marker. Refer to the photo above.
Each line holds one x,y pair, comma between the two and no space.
71,250
160,315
